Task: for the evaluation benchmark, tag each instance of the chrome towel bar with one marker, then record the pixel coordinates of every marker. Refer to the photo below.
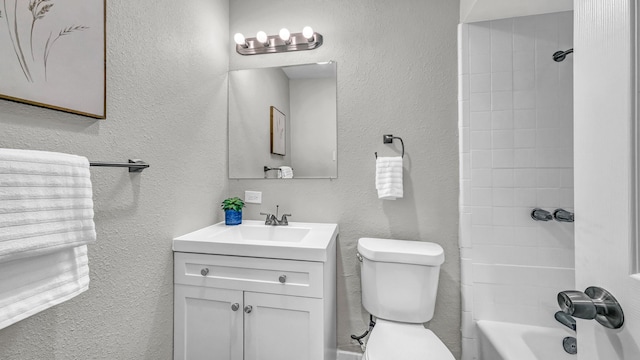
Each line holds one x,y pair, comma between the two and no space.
135,165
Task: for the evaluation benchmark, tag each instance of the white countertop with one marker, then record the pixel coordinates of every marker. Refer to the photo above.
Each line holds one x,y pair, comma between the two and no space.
296,241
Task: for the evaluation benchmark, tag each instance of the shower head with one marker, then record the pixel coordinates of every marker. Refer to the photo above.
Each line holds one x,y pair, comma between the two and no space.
559,56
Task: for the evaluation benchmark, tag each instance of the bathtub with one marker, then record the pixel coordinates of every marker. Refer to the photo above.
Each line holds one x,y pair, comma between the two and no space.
506,341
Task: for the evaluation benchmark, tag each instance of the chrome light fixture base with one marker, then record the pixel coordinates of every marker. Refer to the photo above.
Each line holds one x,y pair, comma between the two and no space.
275,44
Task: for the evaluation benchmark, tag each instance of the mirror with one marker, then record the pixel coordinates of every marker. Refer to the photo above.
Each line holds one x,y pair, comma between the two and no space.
283,117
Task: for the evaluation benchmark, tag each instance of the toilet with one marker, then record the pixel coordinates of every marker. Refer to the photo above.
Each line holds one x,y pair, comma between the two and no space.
399,287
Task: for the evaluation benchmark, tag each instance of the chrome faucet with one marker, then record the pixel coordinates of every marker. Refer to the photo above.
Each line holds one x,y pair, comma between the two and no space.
272,220
566,320
538,214
563,215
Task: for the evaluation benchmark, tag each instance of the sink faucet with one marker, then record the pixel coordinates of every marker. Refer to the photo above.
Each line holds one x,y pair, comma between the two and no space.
272,220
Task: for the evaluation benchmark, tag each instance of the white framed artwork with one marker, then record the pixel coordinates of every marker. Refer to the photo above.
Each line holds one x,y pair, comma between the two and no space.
52,54
278,132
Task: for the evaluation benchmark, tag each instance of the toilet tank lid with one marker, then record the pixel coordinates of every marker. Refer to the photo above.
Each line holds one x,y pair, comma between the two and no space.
401,251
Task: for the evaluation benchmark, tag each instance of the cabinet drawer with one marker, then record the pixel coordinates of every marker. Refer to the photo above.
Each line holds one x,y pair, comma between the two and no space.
275,276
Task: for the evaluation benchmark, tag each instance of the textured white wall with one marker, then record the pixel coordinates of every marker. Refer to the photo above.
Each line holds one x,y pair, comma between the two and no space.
167,70
516,154
396,75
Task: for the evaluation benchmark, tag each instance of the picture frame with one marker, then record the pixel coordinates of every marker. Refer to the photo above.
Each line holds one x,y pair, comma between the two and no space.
278,121
54,54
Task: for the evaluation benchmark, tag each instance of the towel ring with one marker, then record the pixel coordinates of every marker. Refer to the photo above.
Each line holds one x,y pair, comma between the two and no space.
388,139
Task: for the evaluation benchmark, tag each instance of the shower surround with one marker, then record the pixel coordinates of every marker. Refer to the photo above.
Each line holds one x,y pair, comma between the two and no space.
516,154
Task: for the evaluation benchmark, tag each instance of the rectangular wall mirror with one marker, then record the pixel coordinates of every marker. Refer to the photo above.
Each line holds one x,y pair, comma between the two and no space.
283,117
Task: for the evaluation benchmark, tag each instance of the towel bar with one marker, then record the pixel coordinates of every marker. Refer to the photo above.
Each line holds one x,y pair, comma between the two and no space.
266,168
388,139
135,165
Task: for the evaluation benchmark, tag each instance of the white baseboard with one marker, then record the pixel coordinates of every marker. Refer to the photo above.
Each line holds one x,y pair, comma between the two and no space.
345,355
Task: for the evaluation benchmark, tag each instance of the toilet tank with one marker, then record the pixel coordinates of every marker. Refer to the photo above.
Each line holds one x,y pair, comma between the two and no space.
400,278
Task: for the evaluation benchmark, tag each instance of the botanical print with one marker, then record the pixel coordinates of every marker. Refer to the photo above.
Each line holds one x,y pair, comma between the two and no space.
52,54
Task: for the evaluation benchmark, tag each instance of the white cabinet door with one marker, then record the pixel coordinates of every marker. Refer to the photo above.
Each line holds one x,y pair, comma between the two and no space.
205,325
605,195
281,327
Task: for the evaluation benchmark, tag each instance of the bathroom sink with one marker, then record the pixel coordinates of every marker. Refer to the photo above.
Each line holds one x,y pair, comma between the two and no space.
297,241
267,233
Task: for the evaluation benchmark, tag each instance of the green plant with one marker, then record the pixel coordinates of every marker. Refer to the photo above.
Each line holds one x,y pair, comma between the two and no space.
234,203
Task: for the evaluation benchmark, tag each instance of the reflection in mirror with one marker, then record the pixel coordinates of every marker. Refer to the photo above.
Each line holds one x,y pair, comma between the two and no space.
303,99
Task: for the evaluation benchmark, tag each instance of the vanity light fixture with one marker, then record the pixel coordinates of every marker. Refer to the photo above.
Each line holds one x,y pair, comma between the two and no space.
283,42
240,40
307,32
285,35
262,38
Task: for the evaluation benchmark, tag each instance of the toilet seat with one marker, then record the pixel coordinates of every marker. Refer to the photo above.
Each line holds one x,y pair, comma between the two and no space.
403,341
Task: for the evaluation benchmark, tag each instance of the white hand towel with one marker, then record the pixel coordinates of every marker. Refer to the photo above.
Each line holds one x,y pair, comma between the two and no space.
389,177
45,203
286,172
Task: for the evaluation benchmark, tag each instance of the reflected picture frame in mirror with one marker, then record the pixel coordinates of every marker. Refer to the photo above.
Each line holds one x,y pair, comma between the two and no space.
278,131
304,101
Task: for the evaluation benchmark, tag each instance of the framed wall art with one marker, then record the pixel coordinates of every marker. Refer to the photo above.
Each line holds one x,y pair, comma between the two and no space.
52,54
278,132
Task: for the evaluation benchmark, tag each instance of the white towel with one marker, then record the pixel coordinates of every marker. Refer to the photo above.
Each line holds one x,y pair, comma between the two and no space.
46,220
31,285
286,172
45,203
389,177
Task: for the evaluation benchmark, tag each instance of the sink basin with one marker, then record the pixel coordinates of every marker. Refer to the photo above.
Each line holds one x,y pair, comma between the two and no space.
267,233
297,241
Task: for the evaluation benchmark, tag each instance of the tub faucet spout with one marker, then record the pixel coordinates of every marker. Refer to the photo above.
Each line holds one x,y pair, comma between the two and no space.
566,320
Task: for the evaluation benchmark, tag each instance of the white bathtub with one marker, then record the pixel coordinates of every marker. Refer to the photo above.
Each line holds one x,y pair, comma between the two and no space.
506,341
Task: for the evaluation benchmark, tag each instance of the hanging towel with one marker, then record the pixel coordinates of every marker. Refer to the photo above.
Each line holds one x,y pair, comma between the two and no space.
286,172
33,284
389,177
45,203
46,220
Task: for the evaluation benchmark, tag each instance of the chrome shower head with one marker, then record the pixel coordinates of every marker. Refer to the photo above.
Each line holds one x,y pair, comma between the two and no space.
559,56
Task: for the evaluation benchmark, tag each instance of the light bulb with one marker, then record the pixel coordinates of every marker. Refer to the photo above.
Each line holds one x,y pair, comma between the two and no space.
261,36
307,32
285,34
239,39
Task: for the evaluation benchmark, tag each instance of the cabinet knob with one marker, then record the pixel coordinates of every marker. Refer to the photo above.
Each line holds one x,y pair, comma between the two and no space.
283,279
204,271
235,307
248,309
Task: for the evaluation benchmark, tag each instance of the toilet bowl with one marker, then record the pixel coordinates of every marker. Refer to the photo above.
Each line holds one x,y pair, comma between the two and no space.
391,340
399,287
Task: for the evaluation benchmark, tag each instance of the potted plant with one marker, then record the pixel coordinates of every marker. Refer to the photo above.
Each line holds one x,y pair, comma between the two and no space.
232,210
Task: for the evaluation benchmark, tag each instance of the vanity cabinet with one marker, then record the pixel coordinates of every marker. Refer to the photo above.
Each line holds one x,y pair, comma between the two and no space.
251,308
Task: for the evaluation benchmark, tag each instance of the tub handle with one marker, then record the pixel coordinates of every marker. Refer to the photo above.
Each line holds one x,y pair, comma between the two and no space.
563,215
538,214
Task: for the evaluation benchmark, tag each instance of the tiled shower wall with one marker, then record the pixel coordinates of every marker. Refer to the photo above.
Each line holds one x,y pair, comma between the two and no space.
516,154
